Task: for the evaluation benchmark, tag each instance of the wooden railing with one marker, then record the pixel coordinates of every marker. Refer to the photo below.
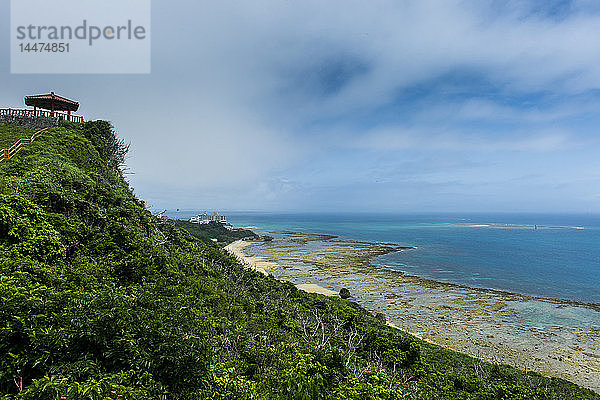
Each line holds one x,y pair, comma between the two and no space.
40,113
7,153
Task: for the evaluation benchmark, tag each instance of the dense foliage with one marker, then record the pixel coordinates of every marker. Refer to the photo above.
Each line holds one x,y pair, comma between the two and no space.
215,230
9,134
99,300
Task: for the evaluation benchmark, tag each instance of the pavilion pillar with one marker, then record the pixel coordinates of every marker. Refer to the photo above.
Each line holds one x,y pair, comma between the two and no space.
69,115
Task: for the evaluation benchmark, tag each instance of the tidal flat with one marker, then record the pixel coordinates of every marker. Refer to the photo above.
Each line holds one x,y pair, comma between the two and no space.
553,337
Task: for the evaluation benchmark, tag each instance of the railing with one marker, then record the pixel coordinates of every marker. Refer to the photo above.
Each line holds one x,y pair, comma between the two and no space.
40,113
5,154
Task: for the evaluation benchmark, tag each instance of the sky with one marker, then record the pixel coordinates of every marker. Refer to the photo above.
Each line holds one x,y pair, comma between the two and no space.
354,106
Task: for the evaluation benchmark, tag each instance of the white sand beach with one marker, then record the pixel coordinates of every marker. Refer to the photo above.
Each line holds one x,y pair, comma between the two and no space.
258,264
313,288
255,263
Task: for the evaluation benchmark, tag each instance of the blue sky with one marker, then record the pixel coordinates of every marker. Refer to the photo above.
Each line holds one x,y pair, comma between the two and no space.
392,106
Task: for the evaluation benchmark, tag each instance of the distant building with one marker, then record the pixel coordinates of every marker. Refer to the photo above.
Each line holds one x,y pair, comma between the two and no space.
206,218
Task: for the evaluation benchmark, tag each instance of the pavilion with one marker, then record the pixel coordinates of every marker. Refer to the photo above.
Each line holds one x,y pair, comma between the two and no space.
52,102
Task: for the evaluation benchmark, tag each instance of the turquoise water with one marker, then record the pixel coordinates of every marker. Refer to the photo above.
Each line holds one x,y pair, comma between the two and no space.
559,259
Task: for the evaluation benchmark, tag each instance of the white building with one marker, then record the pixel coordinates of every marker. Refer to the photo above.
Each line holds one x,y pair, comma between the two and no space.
206,218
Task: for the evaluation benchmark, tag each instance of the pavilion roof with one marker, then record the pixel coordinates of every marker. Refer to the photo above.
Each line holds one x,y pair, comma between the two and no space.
51,101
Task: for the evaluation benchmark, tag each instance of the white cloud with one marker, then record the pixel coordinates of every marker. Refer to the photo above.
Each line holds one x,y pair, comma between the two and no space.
266,52
393,139
241,91
212,149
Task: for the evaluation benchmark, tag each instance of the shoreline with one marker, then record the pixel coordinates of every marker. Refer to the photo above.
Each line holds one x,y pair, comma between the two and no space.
393,248
257,264
484,323
254,263
553,300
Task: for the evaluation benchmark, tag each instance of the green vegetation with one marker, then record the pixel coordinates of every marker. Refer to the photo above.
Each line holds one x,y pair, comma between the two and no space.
101,301
215,230
9,134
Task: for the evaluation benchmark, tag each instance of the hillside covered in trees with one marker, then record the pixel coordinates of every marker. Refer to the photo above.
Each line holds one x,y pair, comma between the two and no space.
216,231
101,300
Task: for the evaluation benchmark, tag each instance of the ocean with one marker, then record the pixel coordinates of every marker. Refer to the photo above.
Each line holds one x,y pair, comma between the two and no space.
542,268
551,256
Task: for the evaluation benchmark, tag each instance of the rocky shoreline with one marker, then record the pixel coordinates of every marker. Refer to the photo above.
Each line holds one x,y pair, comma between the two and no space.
497,326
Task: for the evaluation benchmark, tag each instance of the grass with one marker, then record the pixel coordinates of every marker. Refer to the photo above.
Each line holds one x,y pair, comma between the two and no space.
9,134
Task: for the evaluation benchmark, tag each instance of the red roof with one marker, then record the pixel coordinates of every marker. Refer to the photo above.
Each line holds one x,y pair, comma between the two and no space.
51,101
